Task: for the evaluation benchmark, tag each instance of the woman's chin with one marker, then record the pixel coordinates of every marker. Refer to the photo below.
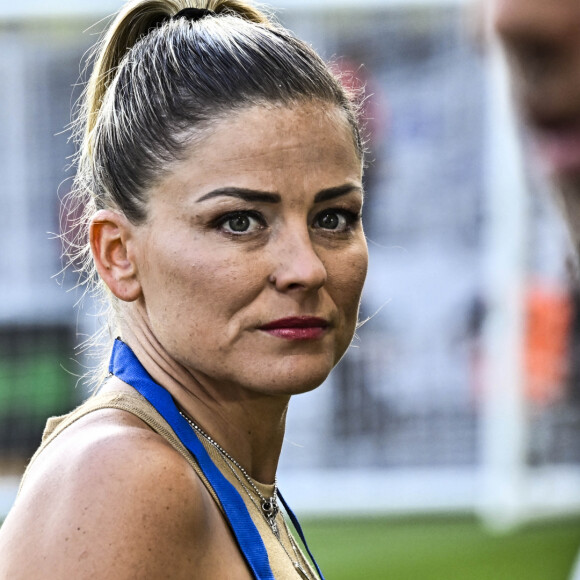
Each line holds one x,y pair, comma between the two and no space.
295,381
296,375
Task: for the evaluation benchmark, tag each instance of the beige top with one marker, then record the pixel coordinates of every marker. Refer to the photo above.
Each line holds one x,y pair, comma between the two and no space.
282,553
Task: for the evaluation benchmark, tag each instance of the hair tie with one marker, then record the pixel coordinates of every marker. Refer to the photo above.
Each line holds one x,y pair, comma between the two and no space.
193,14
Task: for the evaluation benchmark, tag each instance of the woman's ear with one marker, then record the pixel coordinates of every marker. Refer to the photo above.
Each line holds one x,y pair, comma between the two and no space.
110,239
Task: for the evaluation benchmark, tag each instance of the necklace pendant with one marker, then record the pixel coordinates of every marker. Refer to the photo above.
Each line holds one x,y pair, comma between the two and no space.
269,508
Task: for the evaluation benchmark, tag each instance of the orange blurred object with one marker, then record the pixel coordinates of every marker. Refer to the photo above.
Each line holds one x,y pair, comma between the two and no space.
548,319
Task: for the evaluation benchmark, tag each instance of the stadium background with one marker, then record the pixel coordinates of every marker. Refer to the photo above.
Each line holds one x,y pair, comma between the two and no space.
461,394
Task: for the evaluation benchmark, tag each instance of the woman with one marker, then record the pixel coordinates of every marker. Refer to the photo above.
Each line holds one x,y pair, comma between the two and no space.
220,165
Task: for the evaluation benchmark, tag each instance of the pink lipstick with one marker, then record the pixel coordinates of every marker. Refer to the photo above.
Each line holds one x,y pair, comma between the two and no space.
559,150
297,327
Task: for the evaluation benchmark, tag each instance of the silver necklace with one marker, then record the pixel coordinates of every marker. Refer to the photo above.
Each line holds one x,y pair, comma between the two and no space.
296,560
268,507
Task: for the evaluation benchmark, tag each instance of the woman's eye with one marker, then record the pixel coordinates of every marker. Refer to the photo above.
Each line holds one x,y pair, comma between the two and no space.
335,220
240,223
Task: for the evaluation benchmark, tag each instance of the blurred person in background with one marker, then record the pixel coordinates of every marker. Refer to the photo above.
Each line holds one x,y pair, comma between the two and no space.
541,40
542,45
220,168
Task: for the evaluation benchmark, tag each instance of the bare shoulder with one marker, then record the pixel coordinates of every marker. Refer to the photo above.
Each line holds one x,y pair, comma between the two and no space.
108,498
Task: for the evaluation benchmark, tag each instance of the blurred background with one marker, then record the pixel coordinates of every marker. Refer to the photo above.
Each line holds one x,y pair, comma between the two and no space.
455,415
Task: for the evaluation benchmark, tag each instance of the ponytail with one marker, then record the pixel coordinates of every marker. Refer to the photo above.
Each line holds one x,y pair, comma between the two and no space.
136,19
133,22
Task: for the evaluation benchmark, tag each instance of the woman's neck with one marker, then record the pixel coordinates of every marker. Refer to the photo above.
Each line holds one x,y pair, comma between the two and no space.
248,425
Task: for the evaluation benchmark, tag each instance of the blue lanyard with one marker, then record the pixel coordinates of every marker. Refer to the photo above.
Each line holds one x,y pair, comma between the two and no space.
125,365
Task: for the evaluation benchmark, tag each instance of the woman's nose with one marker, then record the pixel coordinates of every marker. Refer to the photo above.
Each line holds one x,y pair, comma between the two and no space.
516,18
540,38
534,29
297,264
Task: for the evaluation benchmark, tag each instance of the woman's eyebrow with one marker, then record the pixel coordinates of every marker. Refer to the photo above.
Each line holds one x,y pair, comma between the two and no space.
338,191
256,195
242,193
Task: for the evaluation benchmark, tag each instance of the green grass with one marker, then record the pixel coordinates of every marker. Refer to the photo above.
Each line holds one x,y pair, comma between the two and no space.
452,548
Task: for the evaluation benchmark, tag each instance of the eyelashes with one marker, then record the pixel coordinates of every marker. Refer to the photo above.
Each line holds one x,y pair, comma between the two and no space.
336,220
247,222
240,222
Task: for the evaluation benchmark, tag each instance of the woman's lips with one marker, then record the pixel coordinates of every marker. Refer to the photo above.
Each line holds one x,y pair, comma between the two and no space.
559,149
297,327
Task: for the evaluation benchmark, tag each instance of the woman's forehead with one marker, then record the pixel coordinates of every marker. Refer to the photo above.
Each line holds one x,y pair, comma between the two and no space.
279,121
306,147
260,137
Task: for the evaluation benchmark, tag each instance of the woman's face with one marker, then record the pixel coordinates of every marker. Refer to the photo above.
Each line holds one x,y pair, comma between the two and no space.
252,259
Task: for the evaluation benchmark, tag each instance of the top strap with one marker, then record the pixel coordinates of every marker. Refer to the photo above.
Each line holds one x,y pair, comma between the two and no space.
125,365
